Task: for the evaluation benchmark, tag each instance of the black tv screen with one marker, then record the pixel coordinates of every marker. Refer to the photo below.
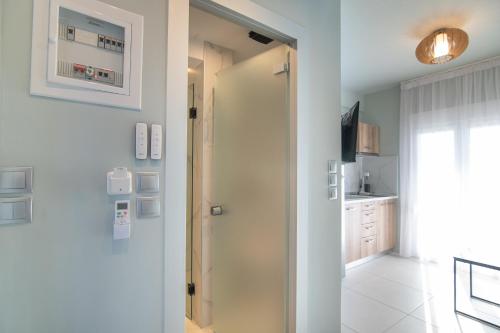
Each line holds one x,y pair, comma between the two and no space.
350,133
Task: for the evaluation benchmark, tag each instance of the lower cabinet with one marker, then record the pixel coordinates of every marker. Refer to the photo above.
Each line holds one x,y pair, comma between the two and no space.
386,225
370,228
353,232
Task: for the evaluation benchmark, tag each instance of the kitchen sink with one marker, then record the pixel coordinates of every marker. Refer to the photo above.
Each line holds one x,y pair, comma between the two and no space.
365,196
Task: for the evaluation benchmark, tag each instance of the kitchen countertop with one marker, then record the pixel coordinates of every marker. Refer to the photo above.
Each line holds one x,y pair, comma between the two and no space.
349,199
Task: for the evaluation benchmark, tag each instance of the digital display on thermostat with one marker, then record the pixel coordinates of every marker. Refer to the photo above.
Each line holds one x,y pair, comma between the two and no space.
122,205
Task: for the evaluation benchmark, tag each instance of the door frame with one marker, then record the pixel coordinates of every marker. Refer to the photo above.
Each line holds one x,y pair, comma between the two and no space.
250,14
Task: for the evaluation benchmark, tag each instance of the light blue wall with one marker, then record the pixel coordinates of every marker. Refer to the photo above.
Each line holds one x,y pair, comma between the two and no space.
382,109
63,273
349,98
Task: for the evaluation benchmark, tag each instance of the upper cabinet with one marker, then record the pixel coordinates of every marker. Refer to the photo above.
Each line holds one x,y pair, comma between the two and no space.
368,139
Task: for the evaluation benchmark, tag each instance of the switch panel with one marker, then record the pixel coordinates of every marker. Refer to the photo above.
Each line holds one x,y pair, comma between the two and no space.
156,142
332,179
15,210
148,182
16,180
332,166
332,193
148,207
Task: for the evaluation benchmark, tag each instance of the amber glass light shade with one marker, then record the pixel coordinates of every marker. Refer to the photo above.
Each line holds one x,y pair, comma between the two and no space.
442,46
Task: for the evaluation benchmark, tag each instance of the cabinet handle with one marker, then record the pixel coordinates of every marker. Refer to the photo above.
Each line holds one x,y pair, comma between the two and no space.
369,241
368,228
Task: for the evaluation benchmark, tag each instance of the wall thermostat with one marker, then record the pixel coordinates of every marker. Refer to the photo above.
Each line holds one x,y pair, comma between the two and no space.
121,224
119,181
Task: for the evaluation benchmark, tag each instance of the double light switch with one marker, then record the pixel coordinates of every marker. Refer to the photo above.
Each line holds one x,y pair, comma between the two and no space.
15,182
15,210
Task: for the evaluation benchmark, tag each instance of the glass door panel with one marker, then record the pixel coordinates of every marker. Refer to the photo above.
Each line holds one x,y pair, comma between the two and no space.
251,183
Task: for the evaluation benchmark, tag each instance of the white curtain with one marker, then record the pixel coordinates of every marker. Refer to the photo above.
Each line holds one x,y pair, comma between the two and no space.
450,163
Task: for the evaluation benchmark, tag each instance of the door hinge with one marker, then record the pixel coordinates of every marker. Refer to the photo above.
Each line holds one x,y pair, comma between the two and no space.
281,68
191,289
193,113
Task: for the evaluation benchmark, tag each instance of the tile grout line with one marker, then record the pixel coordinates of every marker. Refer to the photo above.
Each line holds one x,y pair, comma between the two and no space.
387,305
349,327
380,302
395,324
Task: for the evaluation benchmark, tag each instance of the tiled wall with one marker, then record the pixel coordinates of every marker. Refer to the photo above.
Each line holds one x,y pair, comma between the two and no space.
383,174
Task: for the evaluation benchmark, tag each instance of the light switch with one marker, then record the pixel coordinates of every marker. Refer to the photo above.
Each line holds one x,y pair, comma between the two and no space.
148,182
6,211
15,210
332,193
332,166
332,179
148,207
16,180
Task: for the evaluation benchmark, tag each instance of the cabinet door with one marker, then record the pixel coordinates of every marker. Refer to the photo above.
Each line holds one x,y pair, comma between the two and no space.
363,145
375,139
368,246
352,232
368,139
386,225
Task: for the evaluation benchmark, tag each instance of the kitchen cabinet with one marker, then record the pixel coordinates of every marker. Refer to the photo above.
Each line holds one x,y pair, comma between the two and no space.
370,228
353,232
368,139
386,225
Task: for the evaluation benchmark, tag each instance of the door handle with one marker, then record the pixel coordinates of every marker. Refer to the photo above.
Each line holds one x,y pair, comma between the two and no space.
216,210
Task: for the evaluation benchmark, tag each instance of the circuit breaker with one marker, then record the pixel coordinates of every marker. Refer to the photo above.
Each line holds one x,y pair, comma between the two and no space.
90,49
91,52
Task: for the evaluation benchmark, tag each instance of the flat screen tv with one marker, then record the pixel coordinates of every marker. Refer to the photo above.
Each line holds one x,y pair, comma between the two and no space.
350,133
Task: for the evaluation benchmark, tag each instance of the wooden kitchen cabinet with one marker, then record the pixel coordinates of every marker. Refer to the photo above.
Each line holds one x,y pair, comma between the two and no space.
368,139
386,225
352,232
370,228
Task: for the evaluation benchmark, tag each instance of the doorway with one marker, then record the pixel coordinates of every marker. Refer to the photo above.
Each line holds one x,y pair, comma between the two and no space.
239,169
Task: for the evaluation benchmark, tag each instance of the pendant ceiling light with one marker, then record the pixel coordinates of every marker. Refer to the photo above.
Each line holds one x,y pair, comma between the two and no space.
442,46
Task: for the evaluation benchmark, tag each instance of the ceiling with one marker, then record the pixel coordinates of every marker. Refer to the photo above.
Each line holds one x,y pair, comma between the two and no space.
379,37
204,26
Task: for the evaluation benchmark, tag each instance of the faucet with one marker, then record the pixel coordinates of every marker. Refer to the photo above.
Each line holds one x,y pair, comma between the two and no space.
362,183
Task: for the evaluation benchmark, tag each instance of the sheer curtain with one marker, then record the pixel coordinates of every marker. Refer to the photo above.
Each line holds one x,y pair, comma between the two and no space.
450,163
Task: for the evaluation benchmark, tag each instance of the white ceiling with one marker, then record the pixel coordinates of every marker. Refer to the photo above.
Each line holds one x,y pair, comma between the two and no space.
379,37
204,26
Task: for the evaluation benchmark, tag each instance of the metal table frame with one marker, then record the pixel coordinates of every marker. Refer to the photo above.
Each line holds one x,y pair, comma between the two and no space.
471,263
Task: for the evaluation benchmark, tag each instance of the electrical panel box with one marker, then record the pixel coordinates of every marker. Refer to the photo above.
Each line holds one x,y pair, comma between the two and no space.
88,51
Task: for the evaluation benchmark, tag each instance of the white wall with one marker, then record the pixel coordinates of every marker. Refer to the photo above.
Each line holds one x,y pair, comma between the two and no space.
322,21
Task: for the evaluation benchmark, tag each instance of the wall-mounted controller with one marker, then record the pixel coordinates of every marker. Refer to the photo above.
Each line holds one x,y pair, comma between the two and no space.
119,181
121,225
156,142
141,141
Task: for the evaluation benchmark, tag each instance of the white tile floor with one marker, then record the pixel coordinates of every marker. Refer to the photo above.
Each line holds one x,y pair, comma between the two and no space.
396,295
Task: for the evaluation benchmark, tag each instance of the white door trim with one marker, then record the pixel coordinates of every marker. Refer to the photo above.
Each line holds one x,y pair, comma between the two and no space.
246,12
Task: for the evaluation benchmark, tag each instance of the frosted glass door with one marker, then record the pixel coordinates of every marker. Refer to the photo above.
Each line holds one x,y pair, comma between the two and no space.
251,137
